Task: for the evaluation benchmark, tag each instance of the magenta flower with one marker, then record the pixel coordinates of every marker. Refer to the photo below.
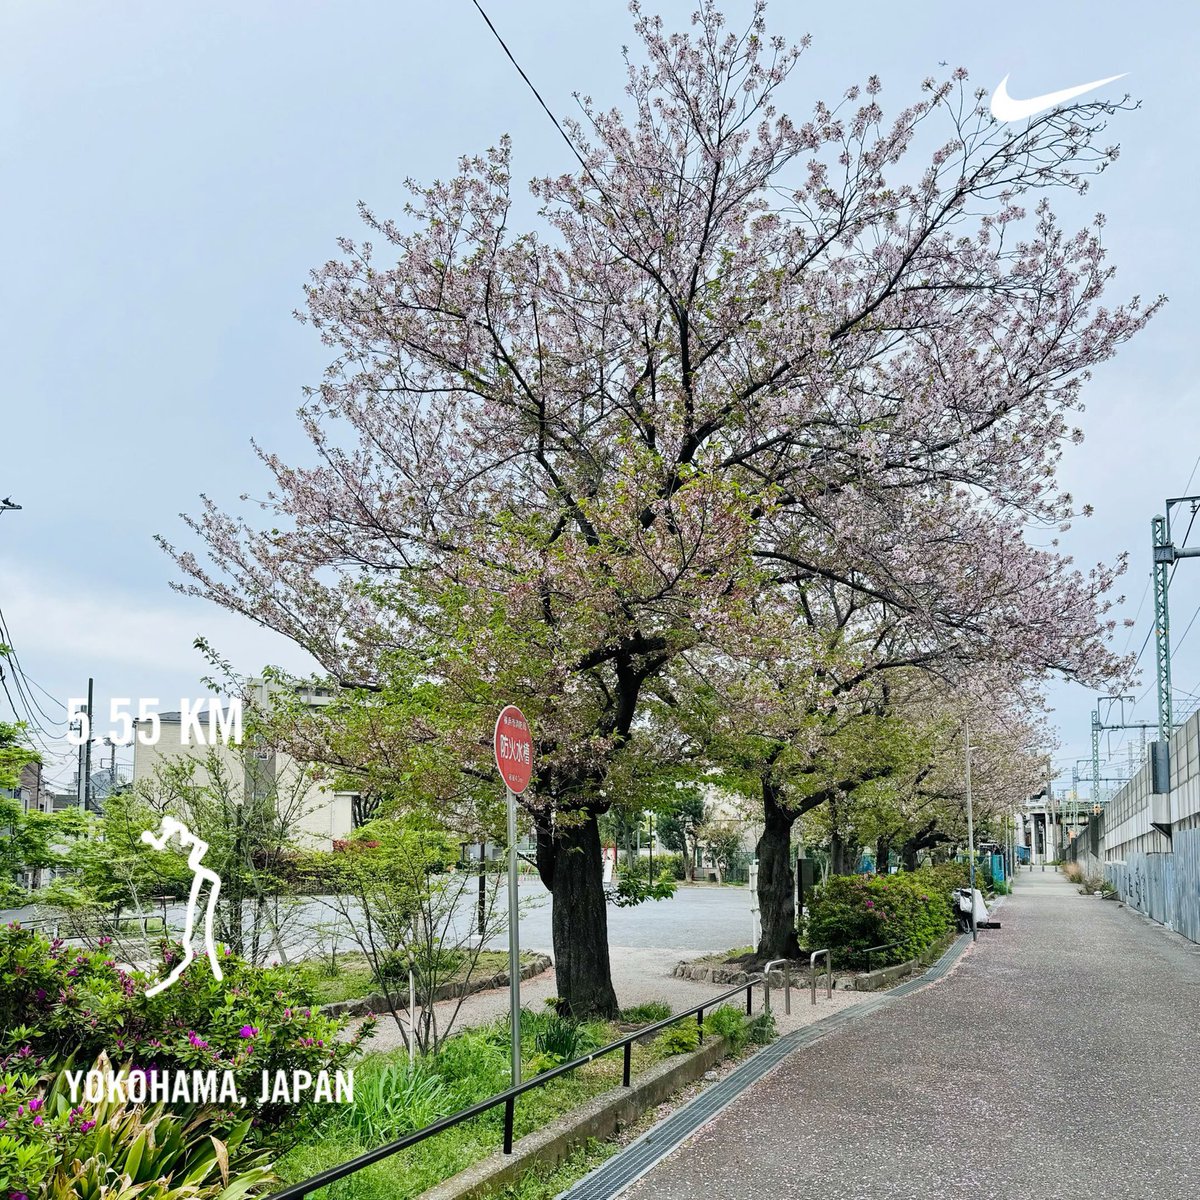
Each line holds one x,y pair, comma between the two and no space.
248,1031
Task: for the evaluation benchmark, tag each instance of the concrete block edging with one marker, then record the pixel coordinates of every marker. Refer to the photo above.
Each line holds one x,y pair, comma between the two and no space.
601,1118
377,1003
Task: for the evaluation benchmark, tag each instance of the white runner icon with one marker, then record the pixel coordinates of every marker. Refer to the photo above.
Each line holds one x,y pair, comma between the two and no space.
168,829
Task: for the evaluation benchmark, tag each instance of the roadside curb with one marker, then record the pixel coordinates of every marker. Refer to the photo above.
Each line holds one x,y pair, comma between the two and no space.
360,1006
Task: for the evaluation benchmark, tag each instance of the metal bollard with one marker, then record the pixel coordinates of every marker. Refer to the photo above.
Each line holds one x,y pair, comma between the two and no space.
787,983
812,974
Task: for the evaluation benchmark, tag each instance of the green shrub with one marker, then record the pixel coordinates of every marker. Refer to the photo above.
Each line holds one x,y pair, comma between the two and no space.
646,1014
667,867
394,1099
729,1023
52,1149
906,913
945,877
760,1029
63,1001
561,1039
679,1039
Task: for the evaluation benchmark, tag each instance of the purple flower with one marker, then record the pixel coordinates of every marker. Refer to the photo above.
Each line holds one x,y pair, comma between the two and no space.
248,1031
870,903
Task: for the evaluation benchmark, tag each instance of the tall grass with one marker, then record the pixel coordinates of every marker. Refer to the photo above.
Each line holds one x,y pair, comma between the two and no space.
392,1099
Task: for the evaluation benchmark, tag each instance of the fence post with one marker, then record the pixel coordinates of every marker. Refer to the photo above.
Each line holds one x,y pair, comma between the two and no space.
628,1062
700,1023
509,1111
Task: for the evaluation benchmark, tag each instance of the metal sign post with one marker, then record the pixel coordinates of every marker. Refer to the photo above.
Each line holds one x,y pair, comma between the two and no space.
513,748
514,941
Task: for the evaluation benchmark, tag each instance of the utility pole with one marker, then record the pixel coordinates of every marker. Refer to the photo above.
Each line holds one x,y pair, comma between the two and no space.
87,776
1049,808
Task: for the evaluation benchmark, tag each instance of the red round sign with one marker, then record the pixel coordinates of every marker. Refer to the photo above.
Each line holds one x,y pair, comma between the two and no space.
514,748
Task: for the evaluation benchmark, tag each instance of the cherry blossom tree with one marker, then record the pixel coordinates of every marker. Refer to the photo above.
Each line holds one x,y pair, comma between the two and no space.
740,355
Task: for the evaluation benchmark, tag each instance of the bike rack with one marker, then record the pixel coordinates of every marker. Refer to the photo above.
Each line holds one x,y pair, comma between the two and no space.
812,974
787,983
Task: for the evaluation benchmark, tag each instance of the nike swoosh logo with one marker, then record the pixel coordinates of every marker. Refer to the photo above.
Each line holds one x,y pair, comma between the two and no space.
1005,108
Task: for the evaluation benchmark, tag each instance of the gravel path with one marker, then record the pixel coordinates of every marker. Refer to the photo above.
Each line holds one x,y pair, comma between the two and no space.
640,975
1057,1060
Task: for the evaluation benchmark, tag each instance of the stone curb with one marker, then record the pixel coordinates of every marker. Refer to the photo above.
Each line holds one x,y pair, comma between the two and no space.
377,1002
600,1118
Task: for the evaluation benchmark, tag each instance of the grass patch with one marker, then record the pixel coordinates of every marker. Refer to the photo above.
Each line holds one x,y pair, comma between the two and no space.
738,956
352,978
392,1099
646,1014
543,1182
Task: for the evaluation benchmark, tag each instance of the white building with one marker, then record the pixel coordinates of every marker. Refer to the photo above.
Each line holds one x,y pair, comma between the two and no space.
322,815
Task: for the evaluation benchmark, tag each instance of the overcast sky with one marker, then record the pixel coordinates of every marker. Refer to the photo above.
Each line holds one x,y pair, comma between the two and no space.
172,172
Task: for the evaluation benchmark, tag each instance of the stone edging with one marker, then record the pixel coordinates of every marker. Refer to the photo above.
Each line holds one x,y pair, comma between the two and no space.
710,974
600,1118
377,1002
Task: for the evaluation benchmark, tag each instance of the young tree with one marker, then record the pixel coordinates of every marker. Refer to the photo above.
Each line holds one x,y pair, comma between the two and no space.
736,346
404,911
679,828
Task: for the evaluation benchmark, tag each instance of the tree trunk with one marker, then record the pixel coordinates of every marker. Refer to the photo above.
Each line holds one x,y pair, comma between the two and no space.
837,853
570,864
883,849
776,879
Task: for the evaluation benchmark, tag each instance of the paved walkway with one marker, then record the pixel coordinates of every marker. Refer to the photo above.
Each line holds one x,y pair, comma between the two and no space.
1059,1058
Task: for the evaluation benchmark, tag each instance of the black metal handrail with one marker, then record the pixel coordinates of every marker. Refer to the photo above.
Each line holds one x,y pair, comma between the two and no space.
297,1191
882,946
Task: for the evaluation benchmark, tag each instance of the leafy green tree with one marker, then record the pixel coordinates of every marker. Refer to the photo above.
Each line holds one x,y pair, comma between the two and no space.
15,751
680,825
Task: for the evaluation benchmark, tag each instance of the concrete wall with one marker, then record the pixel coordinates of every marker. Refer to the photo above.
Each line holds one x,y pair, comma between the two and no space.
1156,874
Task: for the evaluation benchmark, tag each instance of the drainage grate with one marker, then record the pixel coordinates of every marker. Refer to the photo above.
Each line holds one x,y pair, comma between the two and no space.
635,1160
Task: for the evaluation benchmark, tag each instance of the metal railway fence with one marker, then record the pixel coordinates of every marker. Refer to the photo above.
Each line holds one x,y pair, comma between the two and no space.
1166,887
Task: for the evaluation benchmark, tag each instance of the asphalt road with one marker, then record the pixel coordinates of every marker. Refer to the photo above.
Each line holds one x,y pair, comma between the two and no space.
696,920
1060,1058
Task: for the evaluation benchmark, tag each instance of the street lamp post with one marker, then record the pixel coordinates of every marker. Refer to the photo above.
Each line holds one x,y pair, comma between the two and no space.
970,828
